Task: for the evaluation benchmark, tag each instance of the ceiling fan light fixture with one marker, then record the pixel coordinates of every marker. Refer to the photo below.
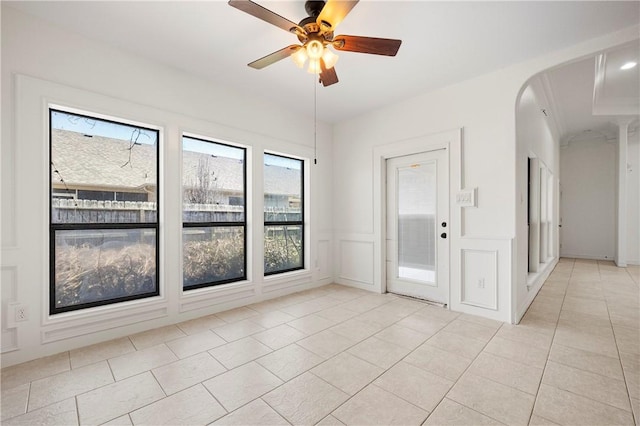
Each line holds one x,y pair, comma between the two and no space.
314,49
329,58
299,57
314,66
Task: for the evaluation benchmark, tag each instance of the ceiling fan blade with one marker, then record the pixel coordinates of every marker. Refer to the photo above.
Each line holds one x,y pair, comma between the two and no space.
334,12
274,57
254,9
327,76
376,46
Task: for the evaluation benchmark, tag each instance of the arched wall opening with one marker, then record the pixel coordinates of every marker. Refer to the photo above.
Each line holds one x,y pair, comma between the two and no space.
576,190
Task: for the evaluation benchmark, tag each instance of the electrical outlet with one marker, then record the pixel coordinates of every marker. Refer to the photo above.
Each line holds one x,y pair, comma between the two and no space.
21,313
481,283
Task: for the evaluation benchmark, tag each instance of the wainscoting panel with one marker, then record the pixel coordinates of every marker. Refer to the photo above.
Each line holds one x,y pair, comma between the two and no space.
480,278
324,260
9,290
355,263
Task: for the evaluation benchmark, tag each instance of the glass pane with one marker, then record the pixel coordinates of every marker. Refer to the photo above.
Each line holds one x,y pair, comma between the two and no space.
213,254
118,162
212,181
98,265
282,248
416,222
282,189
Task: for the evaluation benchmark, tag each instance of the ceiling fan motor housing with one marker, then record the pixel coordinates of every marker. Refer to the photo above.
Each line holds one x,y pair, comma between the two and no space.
314,7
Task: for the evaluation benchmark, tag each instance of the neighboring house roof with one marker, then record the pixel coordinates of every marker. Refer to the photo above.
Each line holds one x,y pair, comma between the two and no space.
99,161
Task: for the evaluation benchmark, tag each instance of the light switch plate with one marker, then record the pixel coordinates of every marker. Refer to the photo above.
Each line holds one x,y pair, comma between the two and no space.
466,198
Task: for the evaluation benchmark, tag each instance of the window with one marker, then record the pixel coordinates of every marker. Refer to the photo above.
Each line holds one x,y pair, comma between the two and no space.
104,204
283,214
213,213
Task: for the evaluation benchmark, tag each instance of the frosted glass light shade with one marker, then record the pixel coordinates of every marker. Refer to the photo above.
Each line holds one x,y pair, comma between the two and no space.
314,66
299,57
314,49
329,58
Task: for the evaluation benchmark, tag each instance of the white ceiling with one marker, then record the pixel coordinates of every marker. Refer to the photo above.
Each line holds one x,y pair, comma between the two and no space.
581,115
443,42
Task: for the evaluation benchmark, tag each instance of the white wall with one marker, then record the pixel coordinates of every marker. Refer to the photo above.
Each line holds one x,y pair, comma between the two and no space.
42,64
633,199
588,207
484,108
536,138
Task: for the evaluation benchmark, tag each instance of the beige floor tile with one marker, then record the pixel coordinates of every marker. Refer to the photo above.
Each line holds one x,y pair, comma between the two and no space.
366,303
510,373
237,330
417,386
488,397
577,319
594,386
379,352
256,413
290,361
199,325
517,351
442,363
68,384
13,401
586,341
481,320
154,337
464,346
355,329
540,421
538,324
586,327
635,403
585,306
242,385
280,336
305,400
402,336
628,339
326,343
193,406
436,312
311,324
526,335
347,372
239,352
336,314
375,406
20,374
423,324
100,352
60,413
142,360
193,344
180,375
451,413
120,421
272,319
567,408
588,361
470,329
329,421
380,317
631,368
237,314
114,400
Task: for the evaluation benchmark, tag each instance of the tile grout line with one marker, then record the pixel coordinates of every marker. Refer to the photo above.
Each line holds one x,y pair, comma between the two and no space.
544,368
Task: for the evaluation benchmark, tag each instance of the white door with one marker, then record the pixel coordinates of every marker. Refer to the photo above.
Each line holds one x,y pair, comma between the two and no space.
418,226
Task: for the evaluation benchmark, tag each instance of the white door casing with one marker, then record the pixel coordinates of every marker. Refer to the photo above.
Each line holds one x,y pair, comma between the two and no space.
417,225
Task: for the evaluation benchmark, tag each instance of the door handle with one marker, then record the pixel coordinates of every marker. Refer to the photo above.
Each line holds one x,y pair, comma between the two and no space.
443,235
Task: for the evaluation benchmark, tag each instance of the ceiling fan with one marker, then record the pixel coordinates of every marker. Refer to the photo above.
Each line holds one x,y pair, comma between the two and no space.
315,32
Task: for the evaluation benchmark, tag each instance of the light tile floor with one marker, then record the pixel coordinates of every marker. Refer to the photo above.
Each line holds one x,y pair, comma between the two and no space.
337,355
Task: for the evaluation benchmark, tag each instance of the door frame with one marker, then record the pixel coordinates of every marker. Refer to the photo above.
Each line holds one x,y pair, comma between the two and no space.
450,140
